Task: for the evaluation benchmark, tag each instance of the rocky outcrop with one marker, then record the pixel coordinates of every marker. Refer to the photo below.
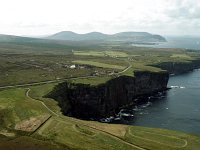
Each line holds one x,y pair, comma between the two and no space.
86,101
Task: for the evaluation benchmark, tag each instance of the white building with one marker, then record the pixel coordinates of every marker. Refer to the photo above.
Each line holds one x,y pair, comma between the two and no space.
72,67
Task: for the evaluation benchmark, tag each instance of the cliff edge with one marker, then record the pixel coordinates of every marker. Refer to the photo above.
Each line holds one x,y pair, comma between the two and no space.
86,101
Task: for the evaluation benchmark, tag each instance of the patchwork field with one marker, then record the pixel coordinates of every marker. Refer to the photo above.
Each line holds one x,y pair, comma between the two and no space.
29,68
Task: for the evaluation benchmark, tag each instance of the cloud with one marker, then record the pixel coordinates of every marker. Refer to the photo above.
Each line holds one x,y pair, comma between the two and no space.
35,17
184,9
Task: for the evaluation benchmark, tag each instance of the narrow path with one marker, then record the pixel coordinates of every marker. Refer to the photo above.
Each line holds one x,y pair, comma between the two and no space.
64,79
104,132
27,95
125,69
44,82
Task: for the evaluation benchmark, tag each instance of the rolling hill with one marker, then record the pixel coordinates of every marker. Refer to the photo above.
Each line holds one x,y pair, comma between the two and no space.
122,36
64,42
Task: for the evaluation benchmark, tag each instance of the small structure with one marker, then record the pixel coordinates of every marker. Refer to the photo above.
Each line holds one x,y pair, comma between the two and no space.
72,67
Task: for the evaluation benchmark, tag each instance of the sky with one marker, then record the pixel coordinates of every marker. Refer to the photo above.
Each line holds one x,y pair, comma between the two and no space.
45,17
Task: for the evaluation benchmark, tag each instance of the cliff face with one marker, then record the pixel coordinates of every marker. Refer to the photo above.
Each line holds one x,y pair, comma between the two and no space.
85,101
179,67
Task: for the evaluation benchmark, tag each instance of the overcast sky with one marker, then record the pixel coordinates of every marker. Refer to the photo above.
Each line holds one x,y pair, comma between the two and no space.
43,17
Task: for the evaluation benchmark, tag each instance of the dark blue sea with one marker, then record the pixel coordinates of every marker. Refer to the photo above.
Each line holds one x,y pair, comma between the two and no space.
179,108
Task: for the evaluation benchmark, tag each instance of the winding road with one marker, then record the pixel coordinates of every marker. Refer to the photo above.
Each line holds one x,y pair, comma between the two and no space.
60,80
57,115
44,82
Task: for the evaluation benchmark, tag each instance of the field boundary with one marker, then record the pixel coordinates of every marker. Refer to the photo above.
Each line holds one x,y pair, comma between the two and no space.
184,145
27,95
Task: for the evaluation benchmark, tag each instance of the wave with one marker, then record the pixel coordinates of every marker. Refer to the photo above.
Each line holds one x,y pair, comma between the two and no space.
176,86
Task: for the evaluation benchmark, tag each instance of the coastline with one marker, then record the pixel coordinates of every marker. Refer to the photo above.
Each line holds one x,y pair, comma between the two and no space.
104,100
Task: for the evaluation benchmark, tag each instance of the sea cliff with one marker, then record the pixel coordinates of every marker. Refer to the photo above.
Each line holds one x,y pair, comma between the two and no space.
179,67
87,101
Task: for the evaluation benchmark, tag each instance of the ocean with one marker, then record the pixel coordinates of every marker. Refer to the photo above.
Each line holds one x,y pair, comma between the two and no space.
179,108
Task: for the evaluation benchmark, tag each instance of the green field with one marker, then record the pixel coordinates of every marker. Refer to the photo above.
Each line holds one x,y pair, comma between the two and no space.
21,63
28,120
98,64
61,132
15,107
181,56
116,54
93,81
101,53
89,53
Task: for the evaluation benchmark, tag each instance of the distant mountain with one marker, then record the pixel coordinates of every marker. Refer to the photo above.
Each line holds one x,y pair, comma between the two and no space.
71,36
19,44
72,41
132,34
122,36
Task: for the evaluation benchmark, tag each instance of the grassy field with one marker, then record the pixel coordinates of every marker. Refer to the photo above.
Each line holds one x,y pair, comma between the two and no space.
89,53
26,68
37,92
30,121
16,107
21,63
61,132
181,56
23,68
98,64
25,142
116,54
161,139
93,81
101,53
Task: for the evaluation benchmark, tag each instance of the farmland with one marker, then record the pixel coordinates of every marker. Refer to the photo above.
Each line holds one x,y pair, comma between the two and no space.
30,67
97,64
26,116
